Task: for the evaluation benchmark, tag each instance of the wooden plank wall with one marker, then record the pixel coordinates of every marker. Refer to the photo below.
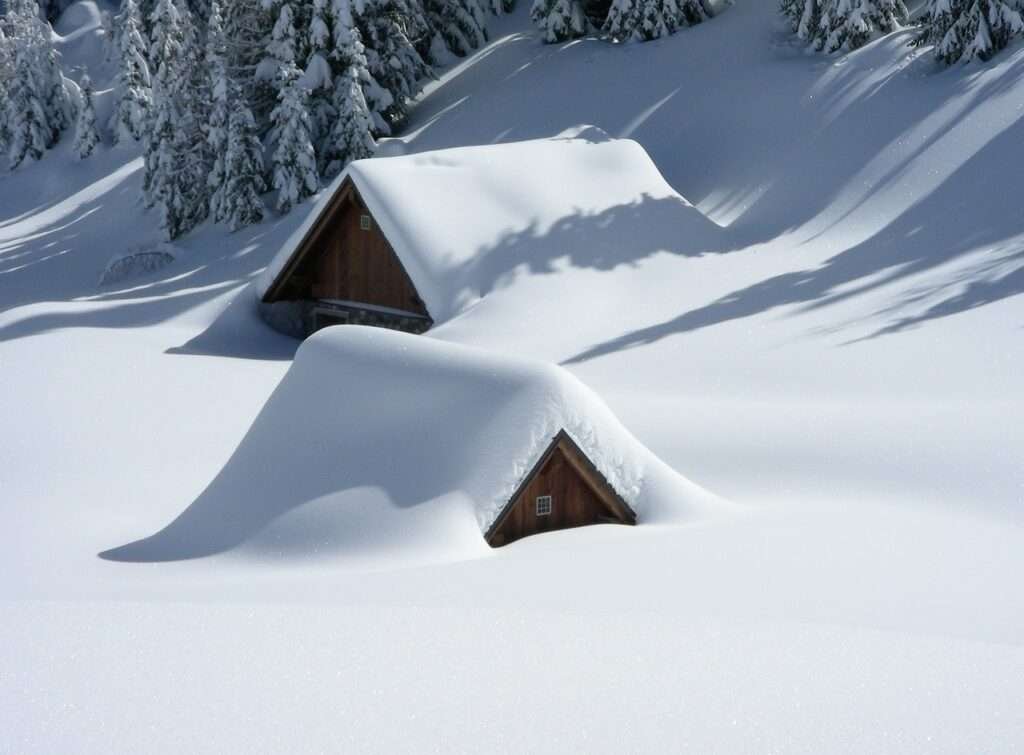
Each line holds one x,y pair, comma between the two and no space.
574,502
359,265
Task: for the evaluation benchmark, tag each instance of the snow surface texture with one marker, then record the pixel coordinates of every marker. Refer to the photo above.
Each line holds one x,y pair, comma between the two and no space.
448,429
459,219
847,368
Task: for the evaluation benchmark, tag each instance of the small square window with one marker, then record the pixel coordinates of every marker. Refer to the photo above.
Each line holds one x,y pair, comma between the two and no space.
364,222
543,505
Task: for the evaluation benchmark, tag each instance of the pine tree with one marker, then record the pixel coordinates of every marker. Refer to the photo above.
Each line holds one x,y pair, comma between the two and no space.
241,204
694,12
623,20
962,30
283,43
86,136
389,30
559,20
217,125
459,25
166,36
246,29
642,20
350,51
175,153
130,119
36,81
849,24
350,138
351,134
295,175
318,78
809,20
161,156
28,130
6,77
195,106
803,16
58,103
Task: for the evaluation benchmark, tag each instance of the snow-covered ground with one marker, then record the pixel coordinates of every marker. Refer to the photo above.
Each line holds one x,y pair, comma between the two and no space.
845,369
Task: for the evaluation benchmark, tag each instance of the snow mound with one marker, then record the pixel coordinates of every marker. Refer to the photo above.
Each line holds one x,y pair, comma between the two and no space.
456,217
405,442
136,264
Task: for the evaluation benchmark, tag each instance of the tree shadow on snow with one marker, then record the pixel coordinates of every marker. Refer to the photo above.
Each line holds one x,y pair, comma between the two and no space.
56,251
620,235
968,212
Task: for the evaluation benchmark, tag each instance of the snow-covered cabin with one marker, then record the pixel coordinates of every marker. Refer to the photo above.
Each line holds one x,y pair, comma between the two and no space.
408,241
563,489
380,442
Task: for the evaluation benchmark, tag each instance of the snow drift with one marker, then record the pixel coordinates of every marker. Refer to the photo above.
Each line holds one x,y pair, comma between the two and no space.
456,216
370,423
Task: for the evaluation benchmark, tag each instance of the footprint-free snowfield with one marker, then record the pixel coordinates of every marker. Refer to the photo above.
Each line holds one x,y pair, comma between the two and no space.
213,539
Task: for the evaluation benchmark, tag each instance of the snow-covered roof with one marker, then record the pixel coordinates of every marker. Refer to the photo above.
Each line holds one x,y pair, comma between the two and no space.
447,213
447,432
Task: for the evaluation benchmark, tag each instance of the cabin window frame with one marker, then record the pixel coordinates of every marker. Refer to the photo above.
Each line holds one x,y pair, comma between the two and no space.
365,222
544,505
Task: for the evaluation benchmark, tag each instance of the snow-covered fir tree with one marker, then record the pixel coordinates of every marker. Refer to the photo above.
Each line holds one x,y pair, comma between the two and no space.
389,30
28,130
642,20
460,26
849,24
962,30
130,119
624,21
36,80
350,136
350,139
294,159
176,153
283,44
350,51
161,162
559,20
38,102
217,125
195,110
318,78
240,204
247,26
804,16
6,76
86,136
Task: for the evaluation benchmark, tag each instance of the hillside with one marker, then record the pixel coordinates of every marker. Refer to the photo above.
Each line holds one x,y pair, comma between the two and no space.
842,366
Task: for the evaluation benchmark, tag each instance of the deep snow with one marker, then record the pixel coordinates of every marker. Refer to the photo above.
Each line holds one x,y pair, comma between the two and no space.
845,368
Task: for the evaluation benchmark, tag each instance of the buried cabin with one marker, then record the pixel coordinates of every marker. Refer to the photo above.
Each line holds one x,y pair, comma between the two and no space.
563,489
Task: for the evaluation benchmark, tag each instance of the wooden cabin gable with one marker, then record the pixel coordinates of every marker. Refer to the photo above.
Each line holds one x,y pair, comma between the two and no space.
563,490
346,257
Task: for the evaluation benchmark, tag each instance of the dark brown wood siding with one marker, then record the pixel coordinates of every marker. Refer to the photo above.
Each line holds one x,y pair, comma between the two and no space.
357,264
340,259
578,497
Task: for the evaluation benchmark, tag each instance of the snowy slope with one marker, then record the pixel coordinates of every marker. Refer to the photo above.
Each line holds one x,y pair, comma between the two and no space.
846,367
